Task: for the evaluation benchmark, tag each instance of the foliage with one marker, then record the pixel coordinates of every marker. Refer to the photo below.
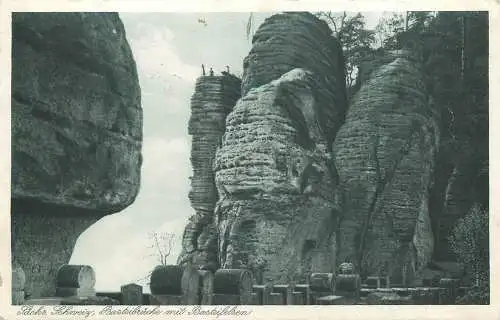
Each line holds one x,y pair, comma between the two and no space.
160,248
161,245
453,49
470,242
357,41
388,30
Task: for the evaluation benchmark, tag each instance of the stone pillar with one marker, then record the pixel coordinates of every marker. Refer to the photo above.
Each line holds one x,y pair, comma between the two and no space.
385,282
321,284
373,282
306,291
75,280
449,290
166,280
348,285
213,99
190,284
177,285
262,292
276,299
286,290
131,294
298,298
233,286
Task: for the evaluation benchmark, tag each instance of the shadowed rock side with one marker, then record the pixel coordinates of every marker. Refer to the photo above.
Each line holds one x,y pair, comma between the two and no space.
76,134
213,99
300,40
385,154
276,213
464,180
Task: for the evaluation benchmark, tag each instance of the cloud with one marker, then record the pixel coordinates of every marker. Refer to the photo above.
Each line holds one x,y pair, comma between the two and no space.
166,157
167,81
157,57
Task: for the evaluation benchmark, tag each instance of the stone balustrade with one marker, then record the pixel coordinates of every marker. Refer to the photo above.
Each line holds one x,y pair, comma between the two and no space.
177,285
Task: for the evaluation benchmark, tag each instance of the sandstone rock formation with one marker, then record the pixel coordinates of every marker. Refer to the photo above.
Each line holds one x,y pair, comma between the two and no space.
76,134
213,99
276,212
384,155
301,188
300,40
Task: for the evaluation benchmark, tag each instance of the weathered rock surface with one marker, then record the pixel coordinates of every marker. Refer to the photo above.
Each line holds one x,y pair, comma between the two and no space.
76,134
300,40
384,155
213,99
276,212
76,113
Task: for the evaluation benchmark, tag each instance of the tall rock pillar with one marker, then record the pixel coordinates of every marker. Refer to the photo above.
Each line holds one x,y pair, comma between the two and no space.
385,155
213,99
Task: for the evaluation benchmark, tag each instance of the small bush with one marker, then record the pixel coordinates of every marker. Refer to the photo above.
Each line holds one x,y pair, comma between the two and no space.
470,242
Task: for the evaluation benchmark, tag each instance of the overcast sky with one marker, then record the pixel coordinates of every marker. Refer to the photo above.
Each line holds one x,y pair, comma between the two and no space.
169,49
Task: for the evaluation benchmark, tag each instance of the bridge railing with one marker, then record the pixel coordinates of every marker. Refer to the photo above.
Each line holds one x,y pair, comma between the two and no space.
175,285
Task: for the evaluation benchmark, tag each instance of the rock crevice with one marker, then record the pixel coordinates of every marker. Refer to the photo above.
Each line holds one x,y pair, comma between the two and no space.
386,178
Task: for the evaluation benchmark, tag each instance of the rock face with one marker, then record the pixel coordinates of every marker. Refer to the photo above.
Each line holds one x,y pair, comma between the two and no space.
76,134
300,189
276,212
213,99
385,154
300,40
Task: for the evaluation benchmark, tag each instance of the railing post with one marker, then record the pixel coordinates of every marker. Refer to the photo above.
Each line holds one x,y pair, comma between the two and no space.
75,280
233,287
131,294
449,290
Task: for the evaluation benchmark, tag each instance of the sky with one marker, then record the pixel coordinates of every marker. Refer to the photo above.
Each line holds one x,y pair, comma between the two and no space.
169,49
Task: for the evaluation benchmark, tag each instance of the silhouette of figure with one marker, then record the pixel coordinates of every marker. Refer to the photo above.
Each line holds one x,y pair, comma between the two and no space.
203,69
211,72
226,73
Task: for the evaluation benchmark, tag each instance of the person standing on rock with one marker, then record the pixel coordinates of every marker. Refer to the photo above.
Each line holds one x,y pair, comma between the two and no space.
226,73
211,72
